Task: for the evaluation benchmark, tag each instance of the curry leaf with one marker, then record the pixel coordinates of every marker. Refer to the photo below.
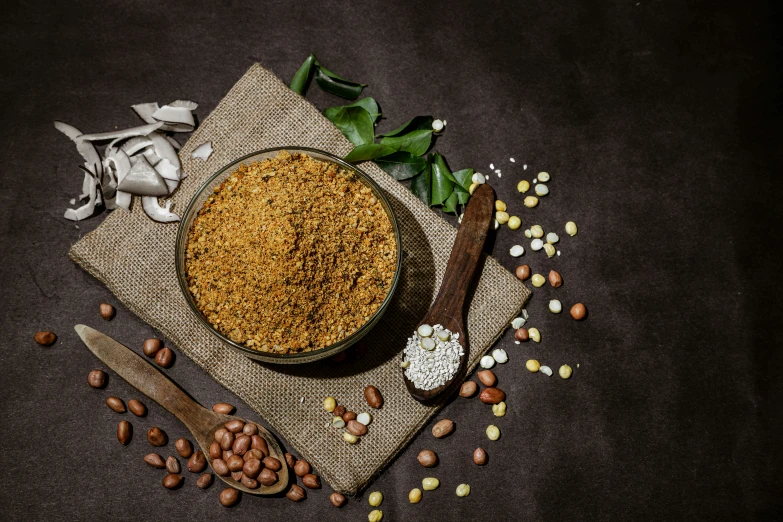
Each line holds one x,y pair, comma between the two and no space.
464,178
303,76
417,123
462,195
442,186
416,142
450,205
335,85
354,122
368,104
368,151
445,168
421,185
401,165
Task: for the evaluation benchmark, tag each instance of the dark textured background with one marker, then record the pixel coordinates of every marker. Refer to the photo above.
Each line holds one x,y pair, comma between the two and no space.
657,121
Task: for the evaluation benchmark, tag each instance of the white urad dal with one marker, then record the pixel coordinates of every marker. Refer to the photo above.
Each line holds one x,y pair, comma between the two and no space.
429,368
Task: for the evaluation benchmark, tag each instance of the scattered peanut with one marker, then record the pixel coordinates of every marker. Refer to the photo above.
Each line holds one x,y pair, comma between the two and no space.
493,432
534,335
565,371
430,483
375,498
555,279
414,497
523,272
330,404
463,490
578,311
532,365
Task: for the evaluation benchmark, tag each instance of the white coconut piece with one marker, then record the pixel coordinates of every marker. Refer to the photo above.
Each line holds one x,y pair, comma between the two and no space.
143,180
146,110
177,119
92,160
169,173
135,144
141,130
174,143
86,210
123,199
156,212
203,151
189,105
164,149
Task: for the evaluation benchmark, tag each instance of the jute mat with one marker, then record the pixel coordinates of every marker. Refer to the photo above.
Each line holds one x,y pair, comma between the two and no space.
134,257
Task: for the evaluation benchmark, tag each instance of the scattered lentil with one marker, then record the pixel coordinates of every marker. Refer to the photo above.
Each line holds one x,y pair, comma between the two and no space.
493,432
330,404
565,371
523,186
487,362
514,222
538,280
543,177
375,498
375,515
549,249
499,409
500,206
555,307
542,190
502,217
430,483
414,497
536,244
463,490
531,201
517,250
532,365
500,355
552,238
364,418
570,228
537,231
518,323
534,334
546,370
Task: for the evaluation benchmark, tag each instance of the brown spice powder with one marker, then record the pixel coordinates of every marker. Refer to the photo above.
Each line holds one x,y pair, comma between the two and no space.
290,254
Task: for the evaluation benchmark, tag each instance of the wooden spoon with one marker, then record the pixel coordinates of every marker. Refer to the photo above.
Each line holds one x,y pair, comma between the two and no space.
448,305
201,422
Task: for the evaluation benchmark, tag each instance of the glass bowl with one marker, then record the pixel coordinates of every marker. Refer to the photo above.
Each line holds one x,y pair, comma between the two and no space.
196,205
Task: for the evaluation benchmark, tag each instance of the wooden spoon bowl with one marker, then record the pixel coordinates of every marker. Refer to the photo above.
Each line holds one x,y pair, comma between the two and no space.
201,422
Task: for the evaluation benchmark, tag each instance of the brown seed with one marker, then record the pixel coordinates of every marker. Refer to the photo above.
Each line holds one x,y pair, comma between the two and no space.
487,378
234,426
236,475
107,311
373,397
155,460
248,482
227,455
250,429
197,462
220,467
96,379
555,279
229,497
290,460
164,358
339,411
349,416
151,347
116,404
337,499
267,477
492,395
253,454
521,335
479,457
228,441
204,481
172,481
295,493
442,428
137,408
45,338
157,436
223,407
235,463
427,458
124,432
241,445
468,389
578,311
219,434
523,272
215,451
301,468
356,428
259,443
172,465
184,448
272,463
311,481
252,468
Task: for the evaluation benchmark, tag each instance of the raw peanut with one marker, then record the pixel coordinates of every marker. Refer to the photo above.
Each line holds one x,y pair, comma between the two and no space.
295,493
172,481
479,457
252,468
227,455
555,279
96,379
223,407
157,436
241,445
106,311
235,463
234,426
492,395
155,460
236,475
272,463
301,468
339,411
197,462
250,429
311,481
219,434
253,454
521,335
356,428
124,432
427,458
215,451
373,397
164,358
337,499
487,378
151,347
220,467
349,416
229,497
258,442
184,448
443,428
578,311
267,477
137,408
172,465
290,460
116,404
204,481
523,272
468,389
45,338
248,482
227,441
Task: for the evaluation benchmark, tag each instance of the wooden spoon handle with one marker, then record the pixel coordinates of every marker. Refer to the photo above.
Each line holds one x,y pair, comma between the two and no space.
465,254
145,378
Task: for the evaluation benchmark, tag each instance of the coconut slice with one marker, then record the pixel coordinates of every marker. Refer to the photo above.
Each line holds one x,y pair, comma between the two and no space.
86,210
156,212
146,110
143,180
169,173
203,151
174,143
123,199
189,105
141,130
163,148
177,119
135,144
92,160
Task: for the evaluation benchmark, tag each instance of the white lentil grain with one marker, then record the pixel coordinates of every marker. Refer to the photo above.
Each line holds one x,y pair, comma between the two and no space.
487,362
500,355
430,369
517,250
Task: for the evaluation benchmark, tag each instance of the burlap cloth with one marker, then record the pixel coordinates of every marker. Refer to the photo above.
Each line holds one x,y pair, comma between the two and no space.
134,257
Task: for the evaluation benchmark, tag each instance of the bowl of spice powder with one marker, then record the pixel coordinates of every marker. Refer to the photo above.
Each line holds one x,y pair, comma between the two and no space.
289,255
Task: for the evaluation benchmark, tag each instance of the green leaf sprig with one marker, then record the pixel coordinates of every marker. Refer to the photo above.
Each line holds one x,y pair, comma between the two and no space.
326,80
